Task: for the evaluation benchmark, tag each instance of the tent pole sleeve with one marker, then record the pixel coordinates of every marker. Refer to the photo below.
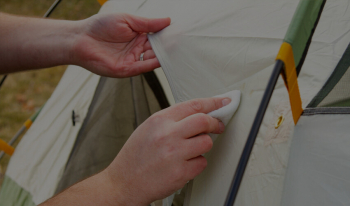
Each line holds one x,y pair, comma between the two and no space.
237,179
302,27
6,147
14,138
102,2
290,78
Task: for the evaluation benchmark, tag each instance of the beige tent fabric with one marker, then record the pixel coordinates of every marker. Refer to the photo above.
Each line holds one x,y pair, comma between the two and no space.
318,169
41,156
212,47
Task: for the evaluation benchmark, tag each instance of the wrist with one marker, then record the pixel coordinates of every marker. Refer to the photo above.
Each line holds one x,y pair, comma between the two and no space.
124,192
78,31
57,43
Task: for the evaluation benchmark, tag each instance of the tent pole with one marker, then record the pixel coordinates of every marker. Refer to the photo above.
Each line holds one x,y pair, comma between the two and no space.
25,127
2,80
53,6
237,179
14,138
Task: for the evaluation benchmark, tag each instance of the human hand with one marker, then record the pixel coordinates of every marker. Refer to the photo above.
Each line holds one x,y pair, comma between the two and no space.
111,45
164,152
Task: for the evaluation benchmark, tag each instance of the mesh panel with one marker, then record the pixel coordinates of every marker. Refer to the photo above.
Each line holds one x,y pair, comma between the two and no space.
119,106
336,91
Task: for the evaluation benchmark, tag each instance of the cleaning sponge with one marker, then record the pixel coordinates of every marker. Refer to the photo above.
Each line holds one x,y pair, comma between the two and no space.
224,114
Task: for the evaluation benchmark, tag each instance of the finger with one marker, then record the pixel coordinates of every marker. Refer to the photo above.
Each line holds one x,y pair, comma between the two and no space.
196,146
199,123
194,167
149,54
205,105
140,67
141,24
147,46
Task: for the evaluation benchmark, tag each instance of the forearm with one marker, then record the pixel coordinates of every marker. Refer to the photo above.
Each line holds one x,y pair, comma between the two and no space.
157,160
31,43
96,190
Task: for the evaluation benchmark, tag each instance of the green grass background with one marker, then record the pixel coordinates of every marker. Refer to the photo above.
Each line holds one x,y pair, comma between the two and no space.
25,92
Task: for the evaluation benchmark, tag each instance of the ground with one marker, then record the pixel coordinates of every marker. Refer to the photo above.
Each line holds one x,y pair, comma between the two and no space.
25,92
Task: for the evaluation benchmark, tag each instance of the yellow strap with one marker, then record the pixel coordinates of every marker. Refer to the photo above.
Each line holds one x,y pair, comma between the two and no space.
102,1
28,123
290,79
6,147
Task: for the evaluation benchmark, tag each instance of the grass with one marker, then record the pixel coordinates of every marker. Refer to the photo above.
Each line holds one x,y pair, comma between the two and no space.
23,93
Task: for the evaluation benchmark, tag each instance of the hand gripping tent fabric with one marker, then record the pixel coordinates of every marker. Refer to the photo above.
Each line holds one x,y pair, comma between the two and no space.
210,48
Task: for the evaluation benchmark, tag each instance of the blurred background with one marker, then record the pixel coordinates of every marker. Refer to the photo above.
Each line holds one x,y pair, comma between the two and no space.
23,93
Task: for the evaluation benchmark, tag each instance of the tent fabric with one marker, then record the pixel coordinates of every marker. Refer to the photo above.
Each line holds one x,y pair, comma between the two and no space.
335,92
45,149
319,163
140,101
121,105
14,192
211,47
40,157
214,47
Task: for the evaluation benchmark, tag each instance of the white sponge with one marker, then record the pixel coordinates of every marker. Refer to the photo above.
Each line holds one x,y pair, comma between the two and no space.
224,114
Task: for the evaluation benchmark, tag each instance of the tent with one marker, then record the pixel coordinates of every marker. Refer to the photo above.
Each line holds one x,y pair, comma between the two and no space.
210,48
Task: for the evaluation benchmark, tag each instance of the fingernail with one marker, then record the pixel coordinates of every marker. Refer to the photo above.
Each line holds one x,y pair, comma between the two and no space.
226,101
221,127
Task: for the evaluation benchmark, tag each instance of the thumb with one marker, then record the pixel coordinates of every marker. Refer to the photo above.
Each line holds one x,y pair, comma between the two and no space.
141,24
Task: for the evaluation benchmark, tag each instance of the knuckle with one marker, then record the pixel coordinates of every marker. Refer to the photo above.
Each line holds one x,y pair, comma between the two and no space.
155,119
158,141
217,103
204,121
165,156
207,142
125,16
196,105
168,151
159,138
